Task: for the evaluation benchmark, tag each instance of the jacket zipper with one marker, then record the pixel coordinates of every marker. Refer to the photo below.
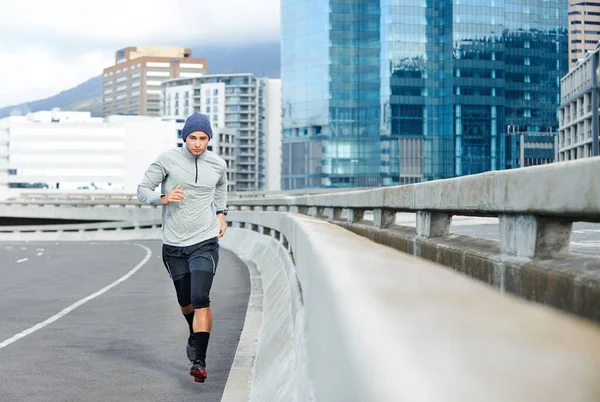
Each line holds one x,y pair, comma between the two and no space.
196,169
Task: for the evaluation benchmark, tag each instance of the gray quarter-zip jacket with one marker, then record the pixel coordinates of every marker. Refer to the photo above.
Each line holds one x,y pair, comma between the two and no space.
203,180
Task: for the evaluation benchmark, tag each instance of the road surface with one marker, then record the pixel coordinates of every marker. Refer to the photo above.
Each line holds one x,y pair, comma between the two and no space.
123,343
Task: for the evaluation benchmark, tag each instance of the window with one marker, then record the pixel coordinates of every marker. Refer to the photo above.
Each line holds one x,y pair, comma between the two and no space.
215,92
157,64
158,73
152,110
208,109
191,65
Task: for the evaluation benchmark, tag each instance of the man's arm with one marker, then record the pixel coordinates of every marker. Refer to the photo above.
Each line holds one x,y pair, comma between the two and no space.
221,192
221,202
154,176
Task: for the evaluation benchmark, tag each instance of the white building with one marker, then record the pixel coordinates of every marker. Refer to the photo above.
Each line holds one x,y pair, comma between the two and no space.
249,105
71,150
578,112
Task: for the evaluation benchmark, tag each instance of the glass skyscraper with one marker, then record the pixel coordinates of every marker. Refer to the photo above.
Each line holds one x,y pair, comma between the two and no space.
399,91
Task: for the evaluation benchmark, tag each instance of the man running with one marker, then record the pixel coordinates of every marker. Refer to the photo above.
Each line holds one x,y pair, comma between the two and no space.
193,194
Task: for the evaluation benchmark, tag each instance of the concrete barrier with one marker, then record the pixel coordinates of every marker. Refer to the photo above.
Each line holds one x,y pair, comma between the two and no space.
106,231
279,370
535,207
382,325
95,210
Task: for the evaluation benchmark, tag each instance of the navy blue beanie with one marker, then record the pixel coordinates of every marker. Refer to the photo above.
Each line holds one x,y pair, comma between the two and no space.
196,122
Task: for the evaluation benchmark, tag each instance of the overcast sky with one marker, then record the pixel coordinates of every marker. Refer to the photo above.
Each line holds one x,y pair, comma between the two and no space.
51,45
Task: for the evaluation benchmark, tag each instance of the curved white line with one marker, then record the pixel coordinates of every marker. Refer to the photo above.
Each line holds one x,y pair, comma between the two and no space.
79,303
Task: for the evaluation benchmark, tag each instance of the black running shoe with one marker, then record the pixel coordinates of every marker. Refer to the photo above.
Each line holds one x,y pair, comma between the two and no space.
198,371
190,348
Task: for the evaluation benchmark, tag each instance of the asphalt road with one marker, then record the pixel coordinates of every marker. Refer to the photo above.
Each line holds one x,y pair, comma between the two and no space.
127,343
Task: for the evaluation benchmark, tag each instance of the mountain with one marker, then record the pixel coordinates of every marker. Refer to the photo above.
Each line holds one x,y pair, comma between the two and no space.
88,90
261,59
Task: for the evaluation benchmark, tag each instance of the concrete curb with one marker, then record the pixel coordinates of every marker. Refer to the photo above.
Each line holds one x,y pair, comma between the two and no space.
271,355
239,382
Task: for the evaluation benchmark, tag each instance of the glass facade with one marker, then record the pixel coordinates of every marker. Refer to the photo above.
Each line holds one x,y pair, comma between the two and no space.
392,92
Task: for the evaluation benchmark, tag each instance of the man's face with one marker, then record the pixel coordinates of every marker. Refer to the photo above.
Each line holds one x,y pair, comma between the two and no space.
197,142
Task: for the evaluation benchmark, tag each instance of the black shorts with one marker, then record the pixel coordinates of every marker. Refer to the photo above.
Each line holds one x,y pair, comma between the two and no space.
192,269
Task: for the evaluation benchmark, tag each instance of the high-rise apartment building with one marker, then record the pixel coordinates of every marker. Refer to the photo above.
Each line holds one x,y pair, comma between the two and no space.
235,101
578,114
382,92
584,28
132,84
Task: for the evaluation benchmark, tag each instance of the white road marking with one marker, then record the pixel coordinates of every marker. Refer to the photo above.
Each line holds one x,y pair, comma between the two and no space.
9,248
40,253
79,303
22,260
23,248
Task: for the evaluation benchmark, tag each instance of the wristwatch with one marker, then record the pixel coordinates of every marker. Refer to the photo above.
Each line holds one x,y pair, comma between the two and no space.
222,211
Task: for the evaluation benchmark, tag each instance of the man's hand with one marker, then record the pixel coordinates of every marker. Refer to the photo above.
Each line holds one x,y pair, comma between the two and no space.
175,195
222,224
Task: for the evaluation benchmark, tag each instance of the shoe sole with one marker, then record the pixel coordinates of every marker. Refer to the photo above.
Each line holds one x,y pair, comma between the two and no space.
198,374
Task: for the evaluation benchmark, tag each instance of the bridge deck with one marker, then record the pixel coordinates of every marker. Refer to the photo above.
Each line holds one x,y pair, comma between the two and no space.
125,344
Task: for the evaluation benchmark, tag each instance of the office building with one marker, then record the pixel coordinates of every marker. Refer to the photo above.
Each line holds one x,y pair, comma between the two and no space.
71,150
242,102
530,149
584,28
385,93
578,112
132,85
